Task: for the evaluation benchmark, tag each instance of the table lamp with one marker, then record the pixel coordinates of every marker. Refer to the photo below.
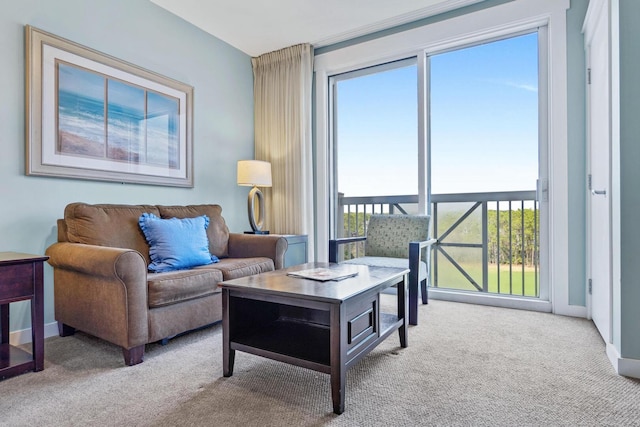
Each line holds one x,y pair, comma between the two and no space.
255,173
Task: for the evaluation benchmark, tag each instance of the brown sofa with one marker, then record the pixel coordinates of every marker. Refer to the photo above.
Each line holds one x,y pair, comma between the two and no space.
102,285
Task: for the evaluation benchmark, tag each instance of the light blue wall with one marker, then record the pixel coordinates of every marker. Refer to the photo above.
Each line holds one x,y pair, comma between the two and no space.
629,179
146,35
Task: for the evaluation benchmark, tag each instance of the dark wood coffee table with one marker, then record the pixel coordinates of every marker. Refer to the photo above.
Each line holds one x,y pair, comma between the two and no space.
325,326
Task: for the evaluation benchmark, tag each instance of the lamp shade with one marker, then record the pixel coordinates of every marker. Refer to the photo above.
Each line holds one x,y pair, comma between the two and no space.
254,173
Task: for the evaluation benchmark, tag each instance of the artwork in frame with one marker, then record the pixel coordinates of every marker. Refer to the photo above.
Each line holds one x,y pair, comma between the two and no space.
92,116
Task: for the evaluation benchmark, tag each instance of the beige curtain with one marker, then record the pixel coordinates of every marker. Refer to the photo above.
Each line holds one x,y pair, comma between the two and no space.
282,97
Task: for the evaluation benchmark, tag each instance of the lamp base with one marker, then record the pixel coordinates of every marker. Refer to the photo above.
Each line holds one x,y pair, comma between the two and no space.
257,232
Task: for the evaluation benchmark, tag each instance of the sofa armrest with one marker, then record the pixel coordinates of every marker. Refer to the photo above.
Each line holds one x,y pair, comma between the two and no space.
102,291
96,260
258,245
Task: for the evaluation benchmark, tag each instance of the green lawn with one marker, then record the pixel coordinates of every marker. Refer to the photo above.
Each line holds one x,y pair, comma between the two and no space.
450,278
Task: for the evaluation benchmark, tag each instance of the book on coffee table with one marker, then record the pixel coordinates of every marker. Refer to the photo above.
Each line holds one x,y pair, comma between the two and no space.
324,274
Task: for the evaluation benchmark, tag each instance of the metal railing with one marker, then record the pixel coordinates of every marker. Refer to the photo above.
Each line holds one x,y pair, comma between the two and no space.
487,242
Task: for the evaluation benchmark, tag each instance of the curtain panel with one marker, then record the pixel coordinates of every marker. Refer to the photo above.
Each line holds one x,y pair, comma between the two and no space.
282,109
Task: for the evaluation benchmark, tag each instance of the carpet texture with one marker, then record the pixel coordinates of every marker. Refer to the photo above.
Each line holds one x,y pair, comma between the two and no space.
466,365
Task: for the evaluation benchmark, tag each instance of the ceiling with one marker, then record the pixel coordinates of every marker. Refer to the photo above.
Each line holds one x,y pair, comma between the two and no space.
260,26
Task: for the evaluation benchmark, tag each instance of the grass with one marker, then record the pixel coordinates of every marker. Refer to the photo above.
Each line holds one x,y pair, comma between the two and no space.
511,284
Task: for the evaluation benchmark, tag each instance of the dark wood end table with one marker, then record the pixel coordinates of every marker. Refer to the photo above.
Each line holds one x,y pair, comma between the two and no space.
21,278
324,326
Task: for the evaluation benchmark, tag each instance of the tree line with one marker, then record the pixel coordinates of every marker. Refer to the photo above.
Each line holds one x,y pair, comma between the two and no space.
520,246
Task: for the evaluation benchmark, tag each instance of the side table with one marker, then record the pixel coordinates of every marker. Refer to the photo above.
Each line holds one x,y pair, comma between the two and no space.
297,250
21,278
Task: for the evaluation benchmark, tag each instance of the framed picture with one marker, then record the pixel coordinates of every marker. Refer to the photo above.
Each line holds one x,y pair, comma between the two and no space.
92,116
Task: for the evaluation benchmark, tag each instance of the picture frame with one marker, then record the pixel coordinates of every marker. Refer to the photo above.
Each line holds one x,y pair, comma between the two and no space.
92,116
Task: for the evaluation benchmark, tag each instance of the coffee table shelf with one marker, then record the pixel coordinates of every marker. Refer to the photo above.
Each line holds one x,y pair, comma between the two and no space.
287,339
389,323
299,343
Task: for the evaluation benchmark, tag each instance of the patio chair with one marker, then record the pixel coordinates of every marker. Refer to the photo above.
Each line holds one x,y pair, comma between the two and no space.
395,241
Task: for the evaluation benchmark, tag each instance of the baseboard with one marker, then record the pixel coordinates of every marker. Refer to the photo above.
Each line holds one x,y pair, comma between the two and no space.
531,304
571,310
622,366
24,336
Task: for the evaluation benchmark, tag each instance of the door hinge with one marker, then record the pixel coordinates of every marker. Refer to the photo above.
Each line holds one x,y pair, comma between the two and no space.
588,76
589,181
590,286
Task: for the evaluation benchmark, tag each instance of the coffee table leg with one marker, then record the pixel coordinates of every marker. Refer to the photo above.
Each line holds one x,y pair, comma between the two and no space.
403,303
338,390
338,369
228,360
228,355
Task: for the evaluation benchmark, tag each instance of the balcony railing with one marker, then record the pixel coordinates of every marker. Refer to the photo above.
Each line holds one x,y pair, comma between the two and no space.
487,242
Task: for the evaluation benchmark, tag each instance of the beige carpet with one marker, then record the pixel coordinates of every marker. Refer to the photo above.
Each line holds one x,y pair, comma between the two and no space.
465,365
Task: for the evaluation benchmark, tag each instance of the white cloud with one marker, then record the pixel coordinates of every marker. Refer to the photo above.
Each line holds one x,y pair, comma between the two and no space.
530,88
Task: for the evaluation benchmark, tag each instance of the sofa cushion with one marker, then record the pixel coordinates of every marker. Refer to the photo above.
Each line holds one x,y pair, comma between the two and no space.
232,268
217,232
115,226
176,286
176,244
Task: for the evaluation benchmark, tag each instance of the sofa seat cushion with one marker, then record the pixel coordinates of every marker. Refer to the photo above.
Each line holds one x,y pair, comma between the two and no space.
176,286
232,268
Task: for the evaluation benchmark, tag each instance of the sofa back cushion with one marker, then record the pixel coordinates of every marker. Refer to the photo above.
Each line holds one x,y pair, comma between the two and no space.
108,225
217,232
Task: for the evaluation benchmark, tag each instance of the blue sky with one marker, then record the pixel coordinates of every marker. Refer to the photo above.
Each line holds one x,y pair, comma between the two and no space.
484,123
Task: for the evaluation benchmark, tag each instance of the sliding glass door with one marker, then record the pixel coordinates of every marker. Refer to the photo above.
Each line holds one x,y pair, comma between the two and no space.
482,108
486,164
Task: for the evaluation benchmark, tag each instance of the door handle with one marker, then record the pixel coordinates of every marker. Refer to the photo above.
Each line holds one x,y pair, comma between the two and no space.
598,192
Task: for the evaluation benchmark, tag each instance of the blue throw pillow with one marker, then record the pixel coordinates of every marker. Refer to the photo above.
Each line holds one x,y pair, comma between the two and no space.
176,244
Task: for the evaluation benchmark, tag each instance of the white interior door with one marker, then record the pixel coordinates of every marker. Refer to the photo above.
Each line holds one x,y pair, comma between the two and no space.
599,198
